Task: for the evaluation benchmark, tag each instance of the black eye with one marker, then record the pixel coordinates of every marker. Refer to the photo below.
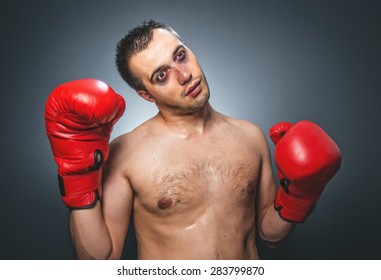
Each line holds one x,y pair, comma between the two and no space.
161,76
181,55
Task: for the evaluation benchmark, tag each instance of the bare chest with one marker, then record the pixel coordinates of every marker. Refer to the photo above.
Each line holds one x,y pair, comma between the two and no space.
175,179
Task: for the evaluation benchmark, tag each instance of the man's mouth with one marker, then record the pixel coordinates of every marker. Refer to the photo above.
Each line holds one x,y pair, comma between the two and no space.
194,89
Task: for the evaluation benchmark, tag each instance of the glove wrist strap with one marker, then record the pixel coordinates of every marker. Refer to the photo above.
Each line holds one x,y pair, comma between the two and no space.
291,208
81,191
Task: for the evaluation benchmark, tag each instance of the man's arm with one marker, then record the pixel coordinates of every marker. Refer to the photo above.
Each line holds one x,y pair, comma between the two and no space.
117,205
271,227
100,232
89,233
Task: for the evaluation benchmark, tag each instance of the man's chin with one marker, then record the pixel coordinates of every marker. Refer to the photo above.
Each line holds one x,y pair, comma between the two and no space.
199,105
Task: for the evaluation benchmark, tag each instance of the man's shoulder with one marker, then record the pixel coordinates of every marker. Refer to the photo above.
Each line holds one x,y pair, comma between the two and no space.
248,131
243,125
134,137
129,148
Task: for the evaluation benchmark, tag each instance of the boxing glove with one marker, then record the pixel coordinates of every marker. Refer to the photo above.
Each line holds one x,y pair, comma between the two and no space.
79,117
306,159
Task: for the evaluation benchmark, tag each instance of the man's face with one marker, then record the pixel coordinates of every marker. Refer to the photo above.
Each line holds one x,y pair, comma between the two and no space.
171,75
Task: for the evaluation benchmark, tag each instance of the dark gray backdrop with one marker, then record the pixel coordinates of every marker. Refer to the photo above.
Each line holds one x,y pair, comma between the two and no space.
266,61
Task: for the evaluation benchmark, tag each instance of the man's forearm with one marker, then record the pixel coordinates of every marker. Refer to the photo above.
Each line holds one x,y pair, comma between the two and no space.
90,234
273,228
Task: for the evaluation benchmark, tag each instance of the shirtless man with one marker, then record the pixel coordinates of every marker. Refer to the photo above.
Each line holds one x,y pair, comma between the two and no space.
199,184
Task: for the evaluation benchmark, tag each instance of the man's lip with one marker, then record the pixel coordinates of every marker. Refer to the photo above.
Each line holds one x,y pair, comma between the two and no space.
193,87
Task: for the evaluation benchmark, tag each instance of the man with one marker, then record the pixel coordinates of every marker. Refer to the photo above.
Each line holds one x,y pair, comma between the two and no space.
199,184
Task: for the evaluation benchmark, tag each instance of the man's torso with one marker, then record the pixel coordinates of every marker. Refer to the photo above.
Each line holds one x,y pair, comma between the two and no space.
194,197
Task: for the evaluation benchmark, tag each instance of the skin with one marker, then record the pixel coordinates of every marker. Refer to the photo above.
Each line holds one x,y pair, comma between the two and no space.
199,184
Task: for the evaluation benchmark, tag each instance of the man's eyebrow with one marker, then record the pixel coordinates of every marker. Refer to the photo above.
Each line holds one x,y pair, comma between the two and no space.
162,66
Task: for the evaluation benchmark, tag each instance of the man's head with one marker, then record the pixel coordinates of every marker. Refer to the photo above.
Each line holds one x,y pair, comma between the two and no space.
154,61
136,40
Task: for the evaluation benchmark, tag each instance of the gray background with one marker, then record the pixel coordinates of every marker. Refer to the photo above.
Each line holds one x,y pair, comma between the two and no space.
265,61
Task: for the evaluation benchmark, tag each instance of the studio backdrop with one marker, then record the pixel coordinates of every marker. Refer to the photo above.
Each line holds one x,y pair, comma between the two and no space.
265,61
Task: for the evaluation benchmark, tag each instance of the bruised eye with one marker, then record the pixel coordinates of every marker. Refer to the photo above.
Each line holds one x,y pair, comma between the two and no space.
161,76
181,55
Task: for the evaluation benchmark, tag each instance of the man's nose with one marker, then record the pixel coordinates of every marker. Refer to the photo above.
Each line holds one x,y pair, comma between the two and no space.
183,74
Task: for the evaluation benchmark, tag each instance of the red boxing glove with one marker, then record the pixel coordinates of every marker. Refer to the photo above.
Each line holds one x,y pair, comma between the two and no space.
79,117
306,158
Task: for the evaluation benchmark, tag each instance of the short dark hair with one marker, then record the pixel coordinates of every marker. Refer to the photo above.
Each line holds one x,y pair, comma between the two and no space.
135,41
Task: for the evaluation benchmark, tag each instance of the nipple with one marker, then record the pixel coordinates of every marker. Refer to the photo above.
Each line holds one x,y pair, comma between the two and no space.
164,202
250,190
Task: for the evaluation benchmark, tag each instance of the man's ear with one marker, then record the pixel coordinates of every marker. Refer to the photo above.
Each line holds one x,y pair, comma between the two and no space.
145,95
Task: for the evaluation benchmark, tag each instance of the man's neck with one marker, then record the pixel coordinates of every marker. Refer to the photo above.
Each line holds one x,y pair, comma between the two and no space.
188,124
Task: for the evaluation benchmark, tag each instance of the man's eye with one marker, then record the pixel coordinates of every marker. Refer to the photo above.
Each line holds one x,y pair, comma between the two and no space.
161,76
181,55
